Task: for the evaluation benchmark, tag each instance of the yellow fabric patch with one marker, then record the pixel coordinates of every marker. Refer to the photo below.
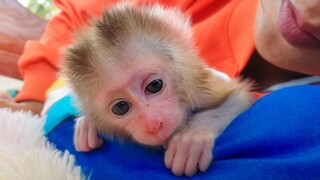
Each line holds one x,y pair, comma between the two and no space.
57,84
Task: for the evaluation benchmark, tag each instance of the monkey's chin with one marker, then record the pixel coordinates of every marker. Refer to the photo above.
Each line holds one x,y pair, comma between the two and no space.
153,140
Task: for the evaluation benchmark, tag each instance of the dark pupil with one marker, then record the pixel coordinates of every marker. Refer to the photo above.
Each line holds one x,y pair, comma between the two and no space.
120,108
155,86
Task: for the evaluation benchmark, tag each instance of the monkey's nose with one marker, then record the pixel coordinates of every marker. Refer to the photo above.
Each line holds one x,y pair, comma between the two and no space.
154,126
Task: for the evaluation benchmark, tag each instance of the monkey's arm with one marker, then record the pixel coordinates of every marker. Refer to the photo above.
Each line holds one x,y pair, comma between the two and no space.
85,135
190,148
220,117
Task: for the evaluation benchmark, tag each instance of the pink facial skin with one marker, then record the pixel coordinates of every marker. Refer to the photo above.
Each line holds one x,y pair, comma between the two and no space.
155,123
152,118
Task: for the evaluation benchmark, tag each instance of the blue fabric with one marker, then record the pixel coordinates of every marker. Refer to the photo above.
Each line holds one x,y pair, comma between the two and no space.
60,111
277,138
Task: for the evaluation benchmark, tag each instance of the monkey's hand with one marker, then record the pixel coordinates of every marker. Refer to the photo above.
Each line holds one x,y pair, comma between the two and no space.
86,136
190,150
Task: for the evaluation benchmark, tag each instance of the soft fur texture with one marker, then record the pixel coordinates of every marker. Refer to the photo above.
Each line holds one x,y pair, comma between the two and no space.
26,154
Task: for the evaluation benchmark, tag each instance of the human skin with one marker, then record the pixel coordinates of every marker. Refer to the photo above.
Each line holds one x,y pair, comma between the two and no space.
17,26
33,106
287,34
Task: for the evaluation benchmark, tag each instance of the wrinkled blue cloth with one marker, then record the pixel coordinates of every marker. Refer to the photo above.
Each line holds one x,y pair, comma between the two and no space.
277,138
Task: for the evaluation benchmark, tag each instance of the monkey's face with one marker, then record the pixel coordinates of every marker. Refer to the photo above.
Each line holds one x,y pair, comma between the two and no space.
140,98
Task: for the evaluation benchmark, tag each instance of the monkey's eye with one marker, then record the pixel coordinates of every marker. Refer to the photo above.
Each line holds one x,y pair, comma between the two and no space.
121,108
155,86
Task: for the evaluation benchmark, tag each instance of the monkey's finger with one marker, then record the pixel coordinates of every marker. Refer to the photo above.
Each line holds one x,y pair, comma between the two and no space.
94,141
193,158
180,157
205,159
170,152
76,137
83,137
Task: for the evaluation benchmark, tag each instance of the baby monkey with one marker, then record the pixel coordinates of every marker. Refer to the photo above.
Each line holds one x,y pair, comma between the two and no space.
137,75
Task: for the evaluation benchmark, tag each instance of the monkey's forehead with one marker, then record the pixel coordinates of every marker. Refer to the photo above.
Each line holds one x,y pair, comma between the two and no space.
126,20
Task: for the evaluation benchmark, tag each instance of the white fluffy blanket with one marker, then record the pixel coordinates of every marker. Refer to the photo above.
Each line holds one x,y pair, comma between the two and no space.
26,154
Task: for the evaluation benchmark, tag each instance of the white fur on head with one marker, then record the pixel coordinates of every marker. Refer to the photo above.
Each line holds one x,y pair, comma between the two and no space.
26,154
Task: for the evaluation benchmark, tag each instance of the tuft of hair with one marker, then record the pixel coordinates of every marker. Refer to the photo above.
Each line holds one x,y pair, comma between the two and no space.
26,154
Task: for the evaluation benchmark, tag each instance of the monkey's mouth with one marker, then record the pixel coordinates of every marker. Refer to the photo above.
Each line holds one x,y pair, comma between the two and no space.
155,139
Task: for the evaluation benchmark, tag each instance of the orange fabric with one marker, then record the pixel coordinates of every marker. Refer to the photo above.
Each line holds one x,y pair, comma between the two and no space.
223,32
